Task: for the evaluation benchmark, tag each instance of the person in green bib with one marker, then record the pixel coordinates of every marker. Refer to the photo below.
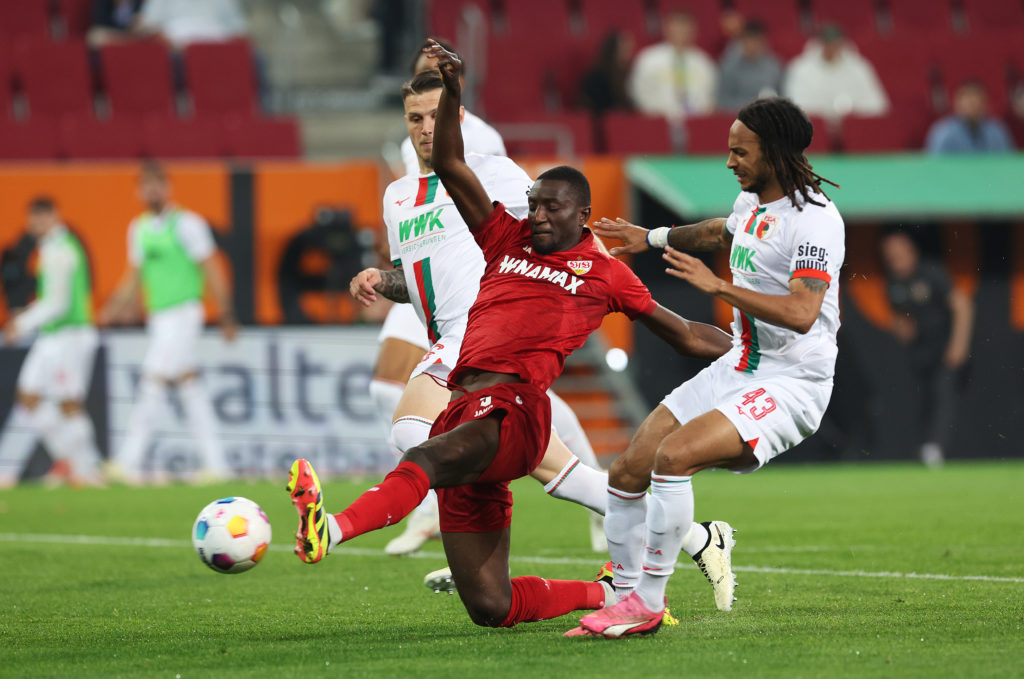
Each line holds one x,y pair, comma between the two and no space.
55,375
171,259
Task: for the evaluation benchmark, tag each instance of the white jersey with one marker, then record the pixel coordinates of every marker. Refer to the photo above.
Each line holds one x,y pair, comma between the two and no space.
477,137
430,241
771,245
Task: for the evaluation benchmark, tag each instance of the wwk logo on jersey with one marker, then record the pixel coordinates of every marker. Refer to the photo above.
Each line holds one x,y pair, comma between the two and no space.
742,258
417,226
525,267
580,267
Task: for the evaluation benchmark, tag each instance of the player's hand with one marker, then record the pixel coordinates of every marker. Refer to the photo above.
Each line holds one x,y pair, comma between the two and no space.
362,286
10,332
229,327
692,270
448,64
633,237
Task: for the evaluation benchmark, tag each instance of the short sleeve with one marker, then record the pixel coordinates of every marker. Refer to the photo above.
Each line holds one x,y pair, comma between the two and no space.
741,209
628,294
134,244
195,236
818,247
509,185
498,231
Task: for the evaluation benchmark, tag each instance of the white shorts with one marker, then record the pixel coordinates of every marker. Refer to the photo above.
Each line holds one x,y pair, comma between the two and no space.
440,360
59,364
772,413
173,334
402,323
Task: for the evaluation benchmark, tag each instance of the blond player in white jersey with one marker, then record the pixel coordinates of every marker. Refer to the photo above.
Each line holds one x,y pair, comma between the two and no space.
757,401
171,257
55,375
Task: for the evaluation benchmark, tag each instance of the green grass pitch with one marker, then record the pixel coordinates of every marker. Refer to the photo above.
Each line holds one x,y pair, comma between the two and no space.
844,571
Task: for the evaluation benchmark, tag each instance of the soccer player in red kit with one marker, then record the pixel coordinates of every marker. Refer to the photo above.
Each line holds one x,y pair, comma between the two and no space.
546,287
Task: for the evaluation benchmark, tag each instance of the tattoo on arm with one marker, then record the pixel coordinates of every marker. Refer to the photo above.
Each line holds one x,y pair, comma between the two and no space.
704,236
393,286
813,284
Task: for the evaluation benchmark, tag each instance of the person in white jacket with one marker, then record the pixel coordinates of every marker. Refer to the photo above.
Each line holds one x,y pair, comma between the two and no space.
674,78
831,79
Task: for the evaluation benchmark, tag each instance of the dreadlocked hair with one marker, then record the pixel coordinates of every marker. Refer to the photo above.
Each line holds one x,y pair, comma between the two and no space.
785,132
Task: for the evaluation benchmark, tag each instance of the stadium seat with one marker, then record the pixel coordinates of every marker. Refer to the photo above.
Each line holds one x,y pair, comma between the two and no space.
30,140
542,139
262,137
707,15
918,18
443,16
903,66
76,16
980,56
872,134
6,82
221,78
626,133
526,84
709,134
55,77
164,137
89,139
988,15
626,16
821,142
857,18
530,20
137,78
782,16
24,18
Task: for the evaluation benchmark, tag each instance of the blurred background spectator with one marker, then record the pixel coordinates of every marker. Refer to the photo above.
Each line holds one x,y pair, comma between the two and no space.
934,321
748,70
113,20
674,77
604,85
182,22
970,128
831,79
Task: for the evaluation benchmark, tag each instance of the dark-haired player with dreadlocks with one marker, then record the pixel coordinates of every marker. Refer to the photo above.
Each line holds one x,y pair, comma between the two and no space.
760,399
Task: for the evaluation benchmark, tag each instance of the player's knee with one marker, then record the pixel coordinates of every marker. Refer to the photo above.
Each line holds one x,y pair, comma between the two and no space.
71,408
487,610
28,401
678,458
409,432
629,472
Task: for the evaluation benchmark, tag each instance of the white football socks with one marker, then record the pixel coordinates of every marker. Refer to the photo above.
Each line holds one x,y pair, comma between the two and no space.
77,444
333,532
150,400
386,396
407,432
23,429
199,413
581,484
669,519
696,540
569,429
624,527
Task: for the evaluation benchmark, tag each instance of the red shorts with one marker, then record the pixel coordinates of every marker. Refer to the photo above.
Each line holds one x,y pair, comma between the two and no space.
486,505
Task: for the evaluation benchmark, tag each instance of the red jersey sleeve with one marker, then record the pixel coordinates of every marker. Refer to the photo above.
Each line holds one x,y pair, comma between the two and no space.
627,294
498,231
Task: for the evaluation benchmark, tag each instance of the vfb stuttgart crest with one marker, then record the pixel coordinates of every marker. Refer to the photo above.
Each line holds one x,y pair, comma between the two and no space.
767,227
580,267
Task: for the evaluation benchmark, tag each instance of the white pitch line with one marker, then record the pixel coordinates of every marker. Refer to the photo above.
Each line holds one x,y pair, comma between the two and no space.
112,541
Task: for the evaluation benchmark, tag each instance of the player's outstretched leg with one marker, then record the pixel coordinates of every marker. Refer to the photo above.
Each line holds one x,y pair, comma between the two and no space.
629,616
311,540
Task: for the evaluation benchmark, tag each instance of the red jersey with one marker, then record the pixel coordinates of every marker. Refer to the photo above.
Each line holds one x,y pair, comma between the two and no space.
533,310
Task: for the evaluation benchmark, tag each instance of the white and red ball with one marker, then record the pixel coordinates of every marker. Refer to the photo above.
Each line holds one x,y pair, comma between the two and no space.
231,534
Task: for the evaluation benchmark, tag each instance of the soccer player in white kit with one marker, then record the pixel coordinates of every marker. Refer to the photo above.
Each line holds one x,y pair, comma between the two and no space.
404,333
55,375
763,397
171,257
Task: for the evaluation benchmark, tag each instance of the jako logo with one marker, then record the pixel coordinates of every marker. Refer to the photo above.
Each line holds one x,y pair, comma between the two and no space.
526,268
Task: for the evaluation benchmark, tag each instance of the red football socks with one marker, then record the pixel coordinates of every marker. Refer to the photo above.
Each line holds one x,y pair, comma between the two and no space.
535,598
386,503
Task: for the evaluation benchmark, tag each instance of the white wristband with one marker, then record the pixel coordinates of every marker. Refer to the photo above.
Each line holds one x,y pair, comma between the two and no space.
658,238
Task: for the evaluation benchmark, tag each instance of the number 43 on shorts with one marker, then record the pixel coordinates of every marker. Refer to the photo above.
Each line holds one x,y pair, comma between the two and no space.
756,404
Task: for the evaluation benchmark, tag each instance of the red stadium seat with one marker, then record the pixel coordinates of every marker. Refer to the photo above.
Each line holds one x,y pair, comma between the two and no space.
873,134
6,82
519,81
709,134
88,139
530,20
782,16
221,78
443,16
55,77
540,136
821,142
137,78
263,137
20,18
172,138
76,15
31,140
989,15
980,56
903,66
916,18
626,16
626,133
856,17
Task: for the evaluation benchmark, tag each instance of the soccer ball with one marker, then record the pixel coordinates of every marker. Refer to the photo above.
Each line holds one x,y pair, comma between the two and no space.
231,534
